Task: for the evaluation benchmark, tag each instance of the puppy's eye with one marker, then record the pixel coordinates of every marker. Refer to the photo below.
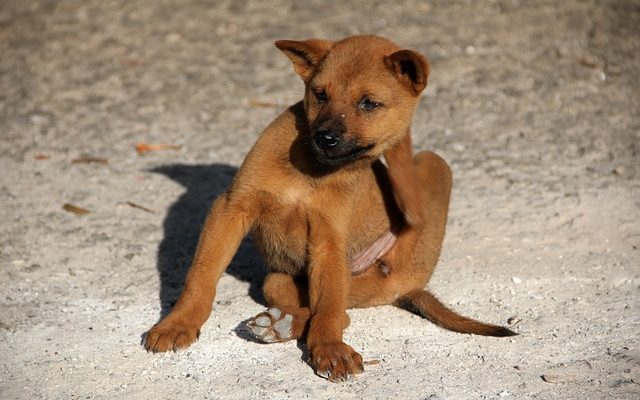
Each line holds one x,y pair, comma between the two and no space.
367,104
321,96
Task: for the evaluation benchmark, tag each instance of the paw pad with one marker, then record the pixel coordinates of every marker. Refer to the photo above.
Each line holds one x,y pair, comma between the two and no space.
272,326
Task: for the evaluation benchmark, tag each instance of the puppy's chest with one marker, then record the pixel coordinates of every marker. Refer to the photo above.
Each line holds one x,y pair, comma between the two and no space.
283,228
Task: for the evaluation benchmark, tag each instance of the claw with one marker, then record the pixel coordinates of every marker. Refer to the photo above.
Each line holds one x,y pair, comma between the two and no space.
336,362
324,374
169,336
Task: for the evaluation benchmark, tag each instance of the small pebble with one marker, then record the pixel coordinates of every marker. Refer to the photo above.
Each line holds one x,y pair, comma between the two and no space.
619,170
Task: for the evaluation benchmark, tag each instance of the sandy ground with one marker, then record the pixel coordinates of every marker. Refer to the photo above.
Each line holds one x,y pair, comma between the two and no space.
536,105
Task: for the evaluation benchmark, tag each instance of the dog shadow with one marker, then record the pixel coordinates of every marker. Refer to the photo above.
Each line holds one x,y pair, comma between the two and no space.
182,226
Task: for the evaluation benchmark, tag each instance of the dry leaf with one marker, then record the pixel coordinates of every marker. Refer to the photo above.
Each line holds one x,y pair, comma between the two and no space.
75,209
131,62
513,320
262,104
138,206
41,157
143,148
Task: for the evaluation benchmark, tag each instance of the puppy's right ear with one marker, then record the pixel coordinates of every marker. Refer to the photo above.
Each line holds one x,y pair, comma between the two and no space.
306,55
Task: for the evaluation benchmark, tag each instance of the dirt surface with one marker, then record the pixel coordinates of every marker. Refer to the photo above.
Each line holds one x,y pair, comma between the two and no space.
536,106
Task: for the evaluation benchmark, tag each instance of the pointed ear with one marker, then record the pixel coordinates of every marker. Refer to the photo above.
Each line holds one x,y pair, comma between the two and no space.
306,55
410,67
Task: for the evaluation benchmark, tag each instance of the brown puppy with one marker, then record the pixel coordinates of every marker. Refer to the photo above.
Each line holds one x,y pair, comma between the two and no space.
336,227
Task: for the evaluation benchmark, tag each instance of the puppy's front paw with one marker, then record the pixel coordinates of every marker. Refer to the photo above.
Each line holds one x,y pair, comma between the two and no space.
336,361
170,335
273,325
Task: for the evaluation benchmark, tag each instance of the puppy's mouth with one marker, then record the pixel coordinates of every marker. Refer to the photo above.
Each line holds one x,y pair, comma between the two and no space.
339,159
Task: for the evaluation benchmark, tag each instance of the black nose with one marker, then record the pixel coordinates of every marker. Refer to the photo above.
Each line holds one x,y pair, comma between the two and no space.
326,139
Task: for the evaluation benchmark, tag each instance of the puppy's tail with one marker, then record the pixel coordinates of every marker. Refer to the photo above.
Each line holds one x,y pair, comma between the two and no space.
425,304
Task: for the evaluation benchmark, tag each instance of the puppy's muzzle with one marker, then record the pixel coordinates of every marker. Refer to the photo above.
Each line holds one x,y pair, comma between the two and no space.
333,147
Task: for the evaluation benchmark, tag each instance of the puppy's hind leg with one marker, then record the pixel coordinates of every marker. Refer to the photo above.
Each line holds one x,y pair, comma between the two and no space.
288,315
435,179
434,182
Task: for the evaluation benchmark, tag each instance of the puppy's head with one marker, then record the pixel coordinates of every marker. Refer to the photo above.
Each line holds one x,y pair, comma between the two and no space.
360,94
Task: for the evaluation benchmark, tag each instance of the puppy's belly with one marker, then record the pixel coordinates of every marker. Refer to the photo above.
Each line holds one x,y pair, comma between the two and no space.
285,250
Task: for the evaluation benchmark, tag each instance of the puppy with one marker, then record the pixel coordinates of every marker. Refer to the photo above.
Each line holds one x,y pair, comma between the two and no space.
336,228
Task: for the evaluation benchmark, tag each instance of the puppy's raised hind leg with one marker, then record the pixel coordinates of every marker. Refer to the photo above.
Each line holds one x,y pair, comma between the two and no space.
404,181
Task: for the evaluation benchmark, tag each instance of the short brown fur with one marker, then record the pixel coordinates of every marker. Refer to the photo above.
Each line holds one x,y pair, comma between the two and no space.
313,193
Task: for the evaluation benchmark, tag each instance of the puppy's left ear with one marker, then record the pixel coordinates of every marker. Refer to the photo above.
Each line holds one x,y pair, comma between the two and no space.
306,55
410,67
